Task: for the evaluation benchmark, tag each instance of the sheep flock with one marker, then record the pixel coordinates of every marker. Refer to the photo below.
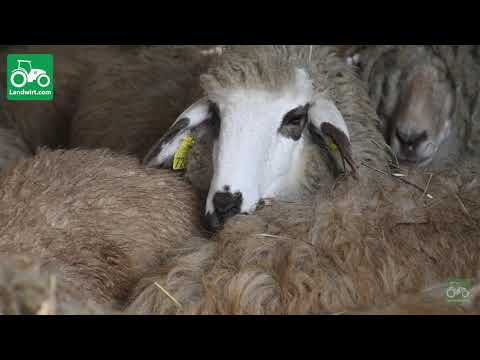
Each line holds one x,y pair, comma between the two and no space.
266,180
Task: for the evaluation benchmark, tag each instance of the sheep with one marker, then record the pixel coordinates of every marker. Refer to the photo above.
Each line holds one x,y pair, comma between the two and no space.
271,115
105,97
130,101
99,218
28,289
427,97
366,247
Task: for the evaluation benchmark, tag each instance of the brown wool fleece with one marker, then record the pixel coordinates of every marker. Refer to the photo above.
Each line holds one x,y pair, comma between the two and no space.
362,246
103,219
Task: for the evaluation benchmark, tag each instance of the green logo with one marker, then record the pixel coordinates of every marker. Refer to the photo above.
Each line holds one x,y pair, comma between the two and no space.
30,77
458,290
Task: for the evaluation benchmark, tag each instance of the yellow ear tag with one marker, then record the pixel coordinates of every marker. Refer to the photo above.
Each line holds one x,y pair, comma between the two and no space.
180,158
333,147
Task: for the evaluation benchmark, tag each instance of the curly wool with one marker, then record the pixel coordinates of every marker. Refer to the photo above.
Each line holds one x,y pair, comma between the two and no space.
352,248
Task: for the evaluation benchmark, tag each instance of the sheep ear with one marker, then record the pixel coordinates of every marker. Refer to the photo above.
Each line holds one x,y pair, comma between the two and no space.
329,130
164,149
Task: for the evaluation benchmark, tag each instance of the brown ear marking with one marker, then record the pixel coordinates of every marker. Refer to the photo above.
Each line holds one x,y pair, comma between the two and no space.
341,140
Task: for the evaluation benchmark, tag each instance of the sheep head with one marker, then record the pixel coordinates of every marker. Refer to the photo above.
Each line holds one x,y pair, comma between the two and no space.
416,99
261,137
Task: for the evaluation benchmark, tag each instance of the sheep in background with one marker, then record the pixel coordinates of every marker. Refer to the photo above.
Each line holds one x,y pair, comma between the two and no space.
118,97
99,219
131,100
32,124
345,250
427,97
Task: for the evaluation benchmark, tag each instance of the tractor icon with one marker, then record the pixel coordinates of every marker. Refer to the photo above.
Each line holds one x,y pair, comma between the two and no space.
24,73
454,292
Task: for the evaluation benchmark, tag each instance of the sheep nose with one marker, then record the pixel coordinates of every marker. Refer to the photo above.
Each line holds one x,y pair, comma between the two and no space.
410,140
227,204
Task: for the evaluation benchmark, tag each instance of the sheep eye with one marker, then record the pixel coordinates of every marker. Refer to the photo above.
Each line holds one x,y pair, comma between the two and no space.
294,122
297,120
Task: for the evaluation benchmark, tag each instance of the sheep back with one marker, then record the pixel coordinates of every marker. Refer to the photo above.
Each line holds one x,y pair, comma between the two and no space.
101,216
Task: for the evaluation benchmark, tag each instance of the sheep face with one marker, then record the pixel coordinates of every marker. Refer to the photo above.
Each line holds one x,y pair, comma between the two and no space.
259,148
417,103
260,139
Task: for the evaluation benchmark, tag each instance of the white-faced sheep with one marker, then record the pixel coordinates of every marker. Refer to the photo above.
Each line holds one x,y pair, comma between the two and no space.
271,113
363,243
427,97
99,219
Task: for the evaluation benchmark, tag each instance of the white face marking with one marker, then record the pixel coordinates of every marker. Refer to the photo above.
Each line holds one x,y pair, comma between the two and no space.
250,156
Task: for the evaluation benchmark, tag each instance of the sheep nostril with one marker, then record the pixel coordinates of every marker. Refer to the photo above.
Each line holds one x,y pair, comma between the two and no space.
212,222
226,203
411,140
